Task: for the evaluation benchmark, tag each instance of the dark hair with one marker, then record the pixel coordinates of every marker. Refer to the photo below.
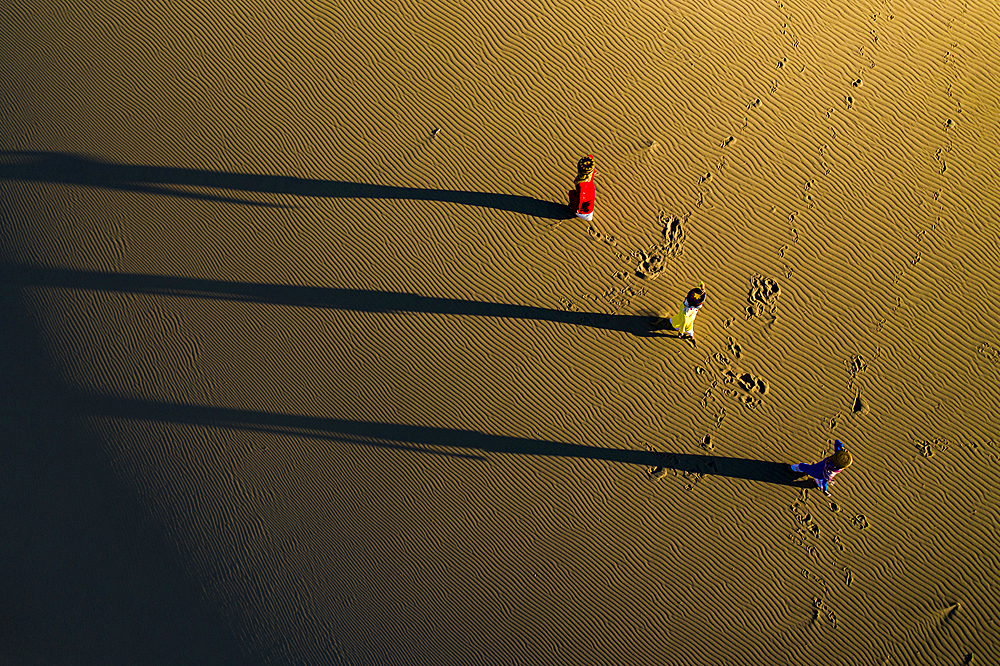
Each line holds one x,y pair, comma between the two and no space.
695,297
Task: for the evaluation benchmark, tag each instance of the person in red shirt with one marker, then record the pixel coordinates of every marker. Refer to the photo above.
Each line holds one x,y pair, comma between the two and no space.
582,199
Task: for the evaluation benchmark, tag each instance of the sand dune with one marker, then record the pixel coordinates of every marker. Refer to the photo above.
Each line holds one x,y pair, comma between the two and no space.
304,290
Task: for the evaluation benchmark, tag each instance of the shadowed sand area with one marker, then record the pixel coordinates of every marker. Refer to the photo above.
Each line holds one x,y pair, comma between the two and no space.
87,576
306,362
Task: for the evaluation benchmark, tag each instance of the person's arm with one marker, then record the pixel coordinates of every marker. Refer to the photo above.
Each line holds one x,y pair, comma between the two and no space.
838,445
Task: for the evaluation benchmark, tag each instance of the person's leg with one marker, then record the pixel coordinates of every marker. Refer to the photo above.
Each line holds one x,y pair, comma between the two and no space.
815,470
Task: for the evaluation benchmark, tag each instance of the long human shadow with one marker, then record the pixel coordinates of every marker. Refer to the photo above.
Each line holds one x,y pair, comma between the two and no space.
360,300
66,168
414,438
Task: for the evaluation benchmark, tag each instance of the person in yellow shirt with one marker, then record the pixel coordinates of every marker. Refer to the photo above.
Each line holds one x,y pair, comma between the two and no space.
683,321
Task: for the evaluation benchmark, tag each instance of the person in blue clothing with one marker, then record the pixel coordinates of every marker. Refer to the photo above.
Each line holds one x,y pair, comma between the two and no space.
824,471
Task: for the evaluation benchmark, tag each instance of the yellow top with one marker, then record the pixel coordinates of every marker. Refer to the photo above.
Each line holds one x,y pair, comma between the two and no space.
683,321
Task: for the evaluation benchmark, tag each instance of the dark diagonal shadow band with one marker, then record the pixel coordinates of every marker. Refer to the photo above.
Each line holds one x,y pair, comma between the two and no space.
359,300
73,169
405,436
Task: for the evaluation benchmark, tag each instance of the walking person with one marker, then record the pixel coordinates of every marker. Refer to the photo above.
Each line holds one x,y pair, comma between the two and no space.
824,471
683,321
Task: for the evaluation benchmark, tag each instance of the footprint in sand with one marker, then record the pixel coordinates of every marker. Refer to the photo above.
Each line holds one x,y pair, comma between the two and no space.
824,612
647,150
734,348
568,305
763,296
612,242
806,523
991,353
653,261
657,473
927,448
858,365
673,233
752,387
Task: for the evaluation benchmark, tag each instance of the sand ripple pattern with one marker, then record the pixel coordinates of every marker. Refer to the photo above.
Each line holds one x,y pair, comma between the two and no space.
308,270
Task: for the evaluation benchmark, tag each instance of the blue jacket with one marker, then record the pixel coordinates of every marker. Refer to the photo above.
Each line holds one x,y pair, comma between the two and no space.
823,471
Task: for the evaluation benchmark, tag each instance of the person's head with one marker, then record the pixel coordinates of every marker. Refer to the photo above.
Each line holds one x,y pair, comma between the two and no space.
696,296
586,164
841,460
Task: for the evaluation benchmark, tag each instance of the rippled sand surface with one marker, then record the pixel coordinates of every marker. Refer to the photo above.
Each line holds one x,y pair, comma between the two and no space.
309,364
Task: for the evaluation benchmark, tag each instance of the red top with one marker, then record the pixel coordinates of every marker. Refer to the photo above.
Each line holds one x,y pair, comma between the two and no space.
587,195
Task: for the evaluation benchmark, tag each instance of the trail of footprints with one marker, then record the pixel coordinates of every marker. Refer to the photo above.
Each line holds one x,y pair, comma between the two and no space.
857,365
728,376
763,296
820,537
809,535
651,263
